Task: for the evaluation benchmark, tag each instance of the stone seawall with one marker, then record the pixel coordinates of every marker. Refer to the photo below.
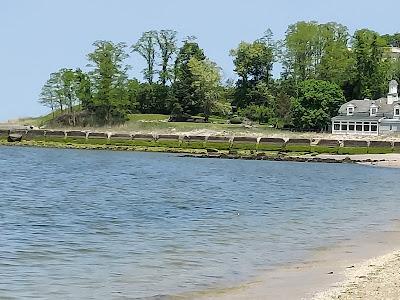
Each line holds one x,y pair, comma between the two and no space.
210,143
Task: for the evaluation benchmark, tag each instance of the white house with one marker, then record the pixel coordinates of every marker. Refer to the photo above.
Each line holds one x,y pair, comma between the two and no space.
369,117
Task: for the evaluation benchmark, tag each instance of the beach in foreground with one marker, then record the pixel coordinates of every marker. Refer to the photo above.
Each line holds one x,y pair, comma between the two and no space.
367,268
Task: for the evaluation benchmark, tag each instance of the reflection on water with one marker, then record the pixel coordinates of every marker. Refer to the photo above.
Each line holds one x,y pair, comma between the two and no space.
105,225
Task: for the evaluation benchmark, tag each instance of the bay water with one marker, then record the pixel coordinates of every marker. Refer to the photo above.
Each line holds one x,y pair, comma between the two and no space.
124,225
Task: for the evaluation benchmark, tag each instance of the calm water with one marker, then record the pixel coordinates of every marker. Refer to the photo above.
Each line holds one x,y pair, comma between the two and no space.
107,225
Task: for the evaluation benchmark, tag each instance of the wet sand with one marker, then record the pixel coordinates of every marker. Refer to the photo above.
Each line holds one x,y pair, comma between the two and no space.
391,160
363,268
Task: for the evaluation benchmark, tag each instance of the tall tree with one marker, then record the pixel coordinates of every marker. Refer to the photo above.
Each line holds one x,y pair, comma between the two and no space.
166,40
371,69
253,63
206,84
48,96
185,101
146,47
316,51
109,77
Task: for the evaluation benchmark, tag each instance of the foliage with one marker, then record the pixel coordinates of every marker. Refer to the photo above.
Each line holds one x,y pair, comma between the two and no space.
257,113
371,70
109,77
317,51
253,64
317,103
166,40
146,47
184,91
206,85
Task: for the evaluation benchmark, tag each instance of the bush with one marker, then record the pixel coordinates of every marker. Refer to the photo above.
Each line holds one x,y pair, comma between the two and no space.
257,113
236,120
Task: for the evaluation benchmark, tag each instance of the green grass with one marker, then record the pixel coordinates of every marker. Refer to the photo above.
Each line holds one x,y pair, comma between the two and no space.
298,148
353,150
379,150
322,149
246,146
218,145
270,147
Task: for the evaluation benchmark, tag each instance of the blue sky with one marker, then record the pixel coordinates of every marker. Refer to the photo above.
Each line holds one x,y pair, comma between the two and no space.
41,36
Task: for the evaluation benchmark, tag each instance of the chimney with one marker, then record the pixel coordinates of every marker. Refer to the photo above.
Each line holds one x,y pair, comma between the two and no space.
393,96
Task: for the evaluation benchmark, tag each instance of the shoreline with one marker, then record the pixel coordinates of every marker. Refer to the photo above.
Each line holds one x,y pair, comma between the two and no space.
389,160
367,267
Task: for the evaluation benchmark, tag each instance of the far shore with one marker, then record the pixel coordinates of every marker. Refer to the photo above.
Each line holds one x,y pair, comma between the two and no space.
389,160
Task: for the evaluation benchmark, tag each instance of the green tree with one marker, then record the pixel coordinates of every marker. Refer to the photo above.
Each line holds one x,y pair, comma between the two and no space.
153,98
185,100
318,101
316,51
371,69
109,77
206,85
166,40
146,47
48,96
253,64
83,89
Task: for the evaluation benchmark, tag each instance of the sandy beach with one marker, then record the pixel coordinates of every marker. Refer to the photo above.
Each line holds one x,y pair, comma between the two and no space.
365,268
391,160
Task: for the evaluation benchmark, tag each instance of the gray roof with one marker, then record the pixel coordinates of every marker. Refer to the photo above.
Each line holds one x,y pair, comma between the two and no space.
362,108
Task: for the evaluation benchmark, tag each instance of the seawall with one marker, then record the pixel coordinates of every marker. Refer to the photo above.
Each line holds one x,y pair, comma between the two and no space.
201,142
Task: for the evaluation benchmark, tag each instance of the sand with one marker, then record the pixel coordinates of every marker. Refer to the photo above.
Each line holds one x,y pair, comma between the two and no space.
391,160
364,268
374,279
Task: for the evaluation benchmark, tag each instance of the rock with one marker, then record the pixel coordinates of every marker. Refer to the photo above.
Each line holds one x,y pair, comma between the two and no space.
12,138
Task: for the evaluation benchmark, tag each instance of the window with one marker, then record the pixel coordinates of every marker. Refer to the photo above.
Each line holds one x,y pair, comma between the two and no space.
374,127
350,110
359,127
366,126
373,111
344,127
397,112
351,126
336,126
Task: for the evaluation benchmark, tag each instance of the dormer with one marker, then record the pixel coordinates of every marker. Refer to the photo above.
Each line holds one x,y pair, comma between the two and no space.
373,110
350,109
396,111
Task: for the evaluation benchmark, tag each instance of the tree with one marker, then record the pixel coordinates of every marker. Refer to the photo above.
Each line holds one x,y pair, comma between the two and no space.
185,100
109,77
146,47
371,69
318,101
83,89
153,98
253,63
392,40
316,51
166,40
206,84
48,96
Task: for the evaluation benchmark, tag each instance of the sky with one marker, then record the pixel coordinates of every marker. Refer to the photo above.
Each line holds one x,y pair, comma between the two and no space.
39,37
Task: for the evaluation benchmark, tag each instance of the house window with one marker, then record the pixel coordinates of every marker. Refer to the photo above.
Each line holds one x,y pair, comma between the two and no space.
344,127
359,127
374,127
350,110
373,111
366,126
397,112
351,126
336,126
